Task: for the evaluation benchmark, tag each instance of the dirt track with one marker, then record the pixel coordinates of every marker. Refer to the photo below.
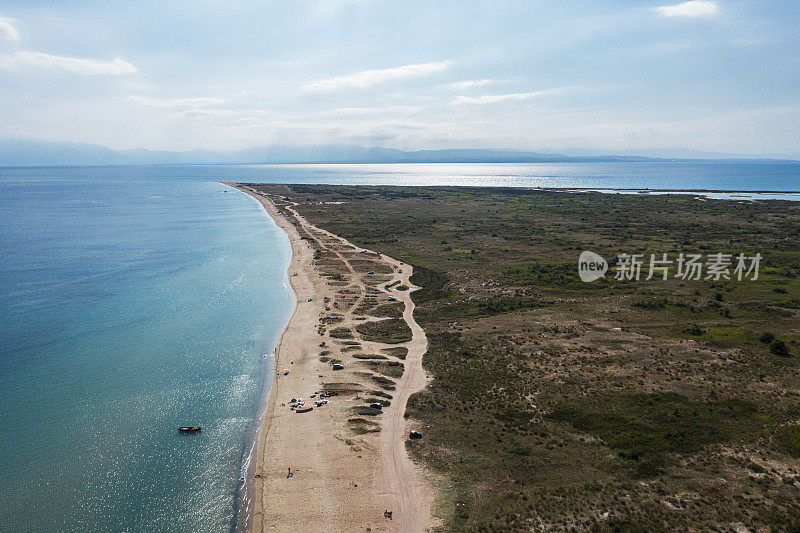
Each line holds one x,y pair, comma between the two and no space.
342,481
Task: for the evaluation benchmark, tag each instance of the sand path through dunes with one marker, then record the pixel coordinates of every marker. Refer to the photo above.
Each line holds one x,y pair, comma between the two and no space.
409,494
342,481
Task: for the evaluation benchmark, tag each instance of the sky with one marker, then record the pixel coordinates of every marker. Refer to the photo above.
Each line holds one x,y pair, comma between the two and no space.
713,75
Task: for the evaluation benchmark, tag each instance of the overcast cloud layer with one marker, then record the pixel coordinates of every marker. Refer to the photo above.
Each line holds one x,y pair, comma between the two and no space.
721,75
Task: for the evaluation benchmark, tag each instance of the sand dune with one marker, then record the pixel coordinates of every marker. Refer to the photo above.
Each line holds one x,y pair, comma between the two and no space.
344,473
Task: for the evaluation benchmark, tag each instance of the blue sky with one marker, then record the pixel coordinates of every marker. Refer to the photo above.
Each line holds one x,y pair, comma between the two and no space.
630,75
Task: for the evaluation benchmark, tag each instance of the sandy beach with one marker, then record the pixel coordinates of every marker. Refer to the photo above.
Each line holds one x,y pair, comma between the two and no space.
339,466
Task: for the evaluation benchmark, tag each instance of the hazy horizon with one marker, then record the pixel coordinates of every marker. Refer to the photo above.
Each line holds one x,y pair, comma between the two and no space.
30,152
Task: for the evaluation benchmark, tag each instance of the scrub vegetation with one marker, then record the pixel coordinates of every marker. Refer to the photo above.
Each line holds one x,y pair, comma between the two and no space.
608,406
389,331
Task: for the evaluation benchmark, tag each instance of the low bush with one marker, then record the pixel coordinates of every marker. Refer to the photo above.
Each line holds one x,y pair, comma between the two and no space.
778,347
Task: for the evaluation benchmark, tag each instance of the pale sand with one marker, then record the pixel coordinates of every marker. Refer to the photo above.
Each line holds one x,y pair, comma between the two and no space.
341,481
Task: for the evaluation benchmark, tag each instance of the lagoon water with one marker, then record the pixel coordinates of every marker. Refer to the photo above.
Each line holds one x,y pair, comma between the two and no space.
137,299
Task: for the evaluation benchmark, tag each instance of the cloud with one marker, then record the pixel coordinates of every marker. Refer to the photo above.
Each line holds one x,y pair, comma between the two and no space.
494,98
27,59
202,112
692,8
375,110
331,7
24,59
8,30
469,84
368,78
177,103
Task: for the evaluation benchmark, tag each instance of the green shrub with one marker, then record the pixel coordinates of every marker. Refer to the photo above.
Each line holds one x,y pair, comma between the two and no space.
694,330
778,347
491,307
431,283
341,333
651,303
557,274
390,331
398,351
387,311
789,437
645,428
393,369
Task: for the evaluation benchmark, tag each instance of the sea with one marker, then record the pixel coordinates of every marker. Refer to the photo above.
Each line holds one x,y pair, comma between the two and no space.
137,299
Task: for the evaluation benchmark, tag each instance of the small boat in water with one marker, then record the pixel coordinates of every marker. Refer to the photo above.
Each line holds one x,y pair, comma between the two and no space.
189,429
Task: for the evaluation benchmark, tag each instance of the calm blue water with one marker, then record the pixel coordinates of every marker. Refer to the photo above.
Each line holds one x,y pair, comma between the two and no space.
137,299
772,176
128,309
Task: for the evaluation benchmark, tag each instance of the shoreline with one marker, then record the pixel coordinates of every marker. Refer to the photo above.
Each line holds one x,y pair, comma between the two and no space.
246,492
254,509
244,495
340,479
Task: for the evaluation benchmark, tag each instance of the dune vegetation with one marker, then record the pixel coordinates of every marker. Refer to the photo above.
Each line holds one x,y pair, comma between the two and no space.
612,405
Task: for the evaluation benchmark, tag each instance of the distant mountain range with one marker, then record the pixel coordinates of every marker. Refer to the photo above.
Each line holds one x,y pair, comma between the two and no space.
25,152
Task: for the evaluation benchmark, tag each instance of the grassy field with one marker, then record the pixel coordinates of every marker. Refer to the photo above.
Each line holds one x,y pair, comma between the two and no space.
608,406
